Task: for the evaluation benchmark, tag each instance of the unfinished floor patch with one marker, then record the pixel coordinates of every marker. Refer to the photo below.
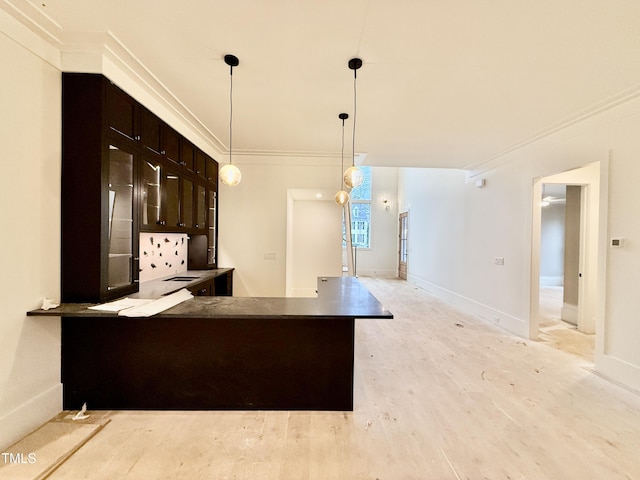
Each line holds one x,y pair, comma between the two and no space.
37,455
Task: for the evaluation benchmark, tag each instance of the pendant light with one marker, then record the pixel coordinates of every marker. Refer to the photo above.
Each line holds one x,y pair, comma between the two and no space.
342,197
230,174
353,176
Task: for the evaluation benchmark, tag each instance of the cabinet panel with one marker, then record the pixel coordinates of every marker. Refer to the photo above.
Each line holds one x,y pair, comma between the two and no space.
201,164
212,170
151,132
187,154
121,236
204,289
186,205
212,220
201,207
150,193
171,191
122,112
170,144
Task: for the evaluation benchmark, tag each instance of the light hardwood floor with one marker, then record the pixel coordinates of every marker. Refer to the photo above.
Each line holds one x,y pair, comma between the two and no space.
438,395
558,333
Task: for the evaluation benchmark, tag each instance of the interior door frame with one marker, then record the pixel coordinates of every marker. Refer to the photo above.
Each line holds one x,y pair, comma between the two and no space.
592,249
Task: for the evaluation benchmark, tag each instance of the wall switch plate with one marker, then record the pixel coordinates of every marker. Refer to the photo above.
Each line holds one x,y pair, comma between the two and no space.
270,256
499,261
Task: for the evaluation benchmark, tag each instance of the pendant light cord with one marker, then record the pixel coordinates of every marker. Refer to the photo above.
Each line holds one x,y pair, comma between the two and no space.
342,155
230,114
353,147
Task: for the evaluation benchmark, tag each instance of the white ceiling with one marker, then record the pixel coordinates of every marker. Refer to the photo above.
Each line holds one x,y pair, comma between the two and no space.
445,83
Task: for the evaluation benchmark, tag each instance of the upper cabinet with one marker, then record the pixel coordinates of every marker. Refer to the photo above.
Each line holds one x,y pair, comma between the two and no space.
99,210
123,170
122,112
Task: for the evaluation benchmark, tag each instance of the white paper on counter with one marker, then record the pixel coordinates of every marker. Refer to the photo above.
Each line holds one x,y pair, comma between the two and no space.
157,306
121,304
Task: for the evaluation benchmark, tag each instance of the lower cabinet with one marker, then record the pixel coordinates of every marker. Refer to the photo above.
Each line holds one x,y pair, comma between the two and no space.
218,286
203,289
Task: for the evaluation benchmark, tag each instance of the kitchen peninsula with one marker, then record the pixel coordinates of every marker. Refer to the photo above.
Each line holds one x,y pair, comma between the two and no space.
218,352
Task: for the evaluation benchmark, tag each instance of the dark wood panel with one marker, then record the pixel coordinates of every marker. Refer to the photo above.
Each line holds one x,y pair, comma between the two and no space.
203,364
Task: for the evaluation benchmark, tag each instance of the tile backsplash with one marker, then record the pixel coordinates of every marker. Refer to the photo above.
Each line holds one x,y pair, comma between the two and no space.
162,254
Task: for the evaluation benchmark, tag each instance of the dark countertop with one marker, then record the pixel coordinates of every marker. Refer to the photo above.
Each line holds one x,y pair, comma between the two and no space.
165,286
338,297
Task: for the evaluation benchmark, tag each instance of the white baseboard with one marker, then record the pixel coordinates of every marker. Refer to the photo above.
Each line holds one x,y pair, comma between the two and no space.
501,319
618,371
30,415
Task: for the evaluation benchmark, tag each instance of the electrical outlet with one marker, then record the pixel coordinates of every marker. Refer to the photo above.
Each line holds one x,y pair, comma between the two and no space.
499,261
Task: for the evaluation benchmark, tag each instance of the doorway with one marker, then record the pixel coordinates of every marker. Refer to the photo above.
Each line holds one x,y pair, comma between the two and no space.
560,269
403,234
314,241
564,282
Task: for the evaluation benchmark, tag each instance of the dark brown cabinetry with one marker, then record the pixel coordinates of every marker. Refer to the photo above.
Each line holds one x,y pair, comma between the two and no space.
99,197
123,170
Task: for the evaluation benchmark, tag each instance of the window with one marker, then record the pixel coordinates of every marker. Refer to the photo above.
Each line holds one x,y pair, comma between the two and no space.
360,199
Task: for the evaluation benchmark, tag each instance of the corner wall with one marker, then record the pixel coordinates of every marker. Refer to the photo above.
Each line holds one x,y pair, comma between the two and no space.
30,388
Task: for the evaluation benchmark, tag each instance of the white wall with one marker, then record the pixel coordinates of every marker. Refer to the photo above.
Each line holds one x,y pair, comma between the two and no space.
457,230
316,244
382,258
30,389
552,245
253,220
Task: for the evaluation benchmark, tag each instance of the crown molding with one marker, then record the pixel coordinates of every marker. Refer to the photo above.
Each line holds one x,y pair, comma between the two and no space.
16,25
103,52
500,159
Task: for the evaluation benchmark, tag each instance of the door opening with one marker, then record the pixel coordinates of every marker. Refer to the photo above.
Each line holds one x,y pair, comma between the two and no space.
403,234
565,255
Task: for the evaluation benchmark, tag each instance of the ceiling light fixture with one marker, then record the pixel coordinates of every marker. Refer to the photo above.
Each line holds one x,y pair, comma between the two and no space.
230,174
353,176
342,197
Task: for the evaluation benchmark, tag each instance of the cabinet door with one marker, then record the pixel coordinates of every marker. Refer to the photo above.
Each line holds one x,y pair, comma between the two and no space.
170,144
187,152
171,197
122,112
212,220
212,170
151,132
201,207
150,193
121,238
186,204
201,164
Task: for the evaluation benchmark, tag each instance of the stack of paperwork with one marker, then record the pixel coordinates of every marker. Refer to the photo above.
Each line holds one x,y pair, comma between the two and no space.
135,307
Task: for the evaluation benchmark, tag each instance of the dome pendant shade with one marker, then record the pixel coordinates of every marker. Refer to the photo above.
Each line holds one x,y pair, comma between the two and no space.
353,177
230,175
342,198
